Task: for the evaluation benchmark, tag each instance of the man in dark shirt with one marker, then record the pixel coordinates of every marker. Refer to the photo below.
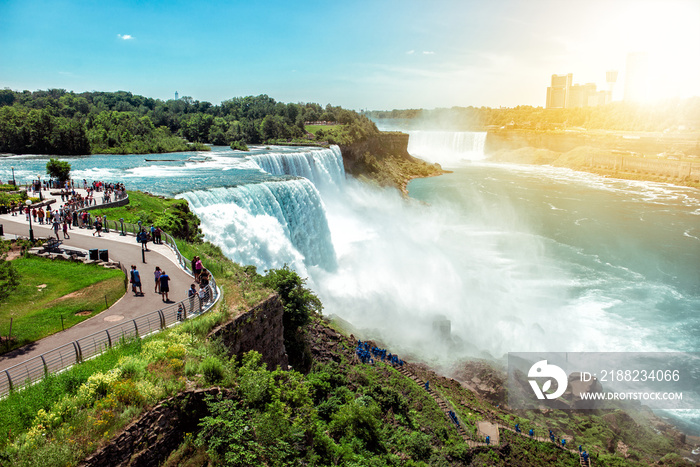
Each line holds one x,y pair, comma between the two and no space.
164,286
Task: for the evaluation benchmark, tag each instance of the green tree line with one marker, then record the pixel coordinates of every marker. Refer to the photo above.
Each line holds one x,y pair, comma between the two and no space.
56,121
674,114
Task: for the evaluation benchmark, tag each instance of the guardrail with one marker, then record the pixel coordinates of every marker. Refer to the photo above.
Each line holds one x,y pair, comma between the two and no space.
34,369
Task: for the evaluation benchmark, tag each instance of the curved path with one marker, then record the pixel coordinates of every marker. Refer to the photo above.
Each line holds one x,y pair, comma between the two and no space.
122,249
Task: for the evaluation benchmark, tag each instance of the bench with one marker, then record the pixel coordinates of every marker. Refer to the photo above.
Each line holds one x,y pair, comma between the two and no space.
52,245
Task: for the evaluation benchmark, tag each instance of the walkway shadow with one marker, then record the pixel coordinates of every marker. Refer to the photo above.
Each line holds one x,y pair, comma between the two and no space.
20,352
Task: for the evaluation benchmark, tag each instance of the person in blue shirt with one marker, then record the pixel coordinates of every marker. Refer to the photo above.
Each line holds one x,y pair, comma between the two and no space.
488,440
135,280
531,433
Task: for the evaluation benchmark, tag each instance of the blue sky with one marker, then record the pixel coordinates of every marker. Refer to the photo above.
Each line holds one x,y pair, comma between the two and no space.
379,54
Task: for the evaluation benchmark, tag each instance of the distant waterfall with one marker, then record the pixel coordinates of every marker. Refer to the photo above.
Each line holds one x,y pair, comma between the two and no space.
323,167
449,148
267,224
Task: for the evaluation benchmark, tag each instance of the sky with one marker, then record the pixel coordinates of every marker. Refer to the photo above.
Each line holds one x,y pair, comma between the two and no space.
380,54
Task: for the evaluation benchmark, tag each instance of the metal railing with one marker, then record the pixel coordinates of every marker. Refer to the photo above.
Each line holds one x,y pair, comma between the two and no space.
34,369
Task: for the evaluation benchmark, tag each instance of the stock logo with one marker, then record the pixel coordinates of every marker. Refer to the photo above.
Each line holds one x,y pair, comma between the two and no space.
542,370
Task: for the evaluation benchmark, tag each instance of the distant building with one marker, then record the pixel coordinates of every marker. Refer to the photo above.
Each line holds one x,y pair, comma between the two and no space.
563,94
558,92
177,96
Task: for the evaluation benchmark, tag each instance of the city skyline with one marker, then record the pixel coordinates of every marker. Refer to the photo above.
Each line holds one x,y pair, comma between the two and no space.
361,55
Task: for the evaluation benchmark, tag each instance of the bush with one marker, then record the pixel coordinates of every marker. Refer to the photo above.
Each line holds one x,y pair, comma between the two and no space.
239,145
212,369
59,170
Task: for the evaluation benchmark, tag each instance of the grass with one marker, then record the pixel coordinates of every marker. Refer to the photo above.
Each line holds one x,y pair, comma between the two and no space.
326,128
142,207
53,291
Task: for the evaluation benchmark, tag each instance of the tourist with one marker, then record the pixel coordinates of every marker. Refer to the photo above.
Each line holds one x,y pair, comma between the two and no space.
488,440
204,278
197,269
531,432
142,238
158,239
98,227
156,276
164,285
65,228
191,293
56,226
135,281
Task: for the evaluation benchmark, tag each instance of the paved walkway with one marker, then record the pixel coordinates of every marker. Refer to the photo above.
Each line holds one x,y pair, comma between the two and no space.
123,249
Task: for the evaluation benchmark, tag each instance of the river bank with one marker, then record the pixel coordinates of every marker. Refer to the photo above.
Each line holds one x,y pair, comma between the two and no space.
642,156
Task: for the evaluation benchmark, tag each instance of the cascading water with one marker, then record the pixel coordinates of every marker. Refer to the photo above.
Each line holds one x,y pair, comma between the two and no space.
267,224
448,148
323,167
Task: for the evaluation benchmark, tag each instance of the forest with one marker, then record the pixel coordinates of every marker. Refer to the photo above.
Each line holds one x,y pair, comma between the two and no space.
59,122
678,115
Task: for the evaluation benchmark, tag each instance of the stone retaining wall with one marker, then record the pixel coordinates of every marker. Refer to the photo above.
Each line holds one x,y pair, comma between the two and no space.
149,440
260,329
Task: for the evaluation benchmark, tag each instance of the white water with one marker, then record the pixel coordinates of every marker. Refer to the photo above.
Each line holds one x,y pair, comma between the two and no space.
324,168
267,224
448,148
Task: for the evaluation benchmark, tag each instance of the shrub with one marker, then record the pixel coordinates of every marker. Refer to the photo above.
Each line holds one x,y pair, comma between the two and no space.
212,369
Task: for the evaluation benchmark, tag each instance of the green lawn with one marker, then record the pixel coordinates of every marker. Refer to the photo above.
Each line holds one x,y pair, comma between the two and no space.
141,207
51,290
326,128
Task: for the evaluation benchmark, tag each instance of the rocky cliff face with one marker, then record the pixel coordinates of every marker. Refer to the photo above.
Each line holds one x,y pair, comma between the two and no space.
383,145
384,160
259,329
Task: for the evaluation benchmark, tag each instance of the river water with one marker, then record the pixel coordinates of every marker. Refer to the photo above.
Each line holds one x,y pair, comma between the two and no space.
489,259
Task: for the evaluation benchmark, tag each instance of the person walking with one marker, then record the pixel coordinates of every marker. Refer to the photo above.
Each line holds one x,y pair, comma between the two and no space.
191,294
135,281
56,225
164,286
156,275
65,228
98,227
197,268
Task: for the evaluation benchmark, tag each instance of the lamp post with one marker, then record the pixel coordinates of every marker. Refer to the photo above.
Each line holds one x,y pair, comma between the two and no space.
41,198
121,220
31,232
14,184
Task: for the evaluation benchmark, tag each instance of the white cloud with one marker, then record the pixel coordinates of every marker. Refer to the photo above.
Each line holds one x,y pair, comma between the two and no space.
410,52
126,37
428,52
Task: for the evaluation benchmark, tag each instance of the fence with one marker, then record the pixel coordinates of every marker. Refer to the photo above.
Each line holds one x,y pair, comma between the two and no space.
34,369
58,359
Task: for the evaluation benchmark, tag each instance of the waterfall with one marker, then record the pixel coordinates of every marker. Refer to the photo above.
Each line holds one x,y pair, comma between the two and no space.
267,224
323,167
449,148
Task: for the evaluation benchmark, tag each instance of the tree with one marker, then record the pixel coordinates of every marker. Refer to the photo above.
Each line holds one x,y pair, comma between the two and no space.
299,303
58,169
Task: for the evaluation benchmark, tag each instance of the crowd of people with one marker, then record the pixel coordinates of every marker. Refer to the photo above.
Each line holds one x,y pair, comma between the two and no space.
68,214
367,354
